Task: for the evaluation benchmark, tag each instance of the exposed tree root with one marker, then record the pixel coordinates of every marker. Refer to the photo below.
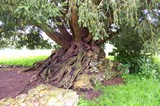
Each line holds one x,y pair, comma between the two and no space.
72,68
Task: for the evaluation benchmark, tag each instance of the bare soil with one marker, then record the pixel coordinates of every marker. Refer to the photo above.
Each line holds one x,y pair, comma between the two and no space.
13,83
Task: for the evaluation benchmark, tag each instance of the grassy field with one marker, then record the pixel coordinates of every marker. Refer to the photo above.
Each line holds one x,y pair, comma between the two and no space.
22,57
137,91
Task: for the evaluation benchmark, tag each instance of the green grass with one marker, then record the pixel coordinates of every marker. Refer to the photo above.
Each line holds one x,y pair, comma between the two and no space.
22,61
137,91
110,57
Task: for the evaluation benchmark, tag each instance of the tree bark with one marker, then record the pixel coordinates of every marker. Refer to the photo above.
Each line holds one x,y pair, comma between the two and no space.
59,39
75,68
64,31
74,23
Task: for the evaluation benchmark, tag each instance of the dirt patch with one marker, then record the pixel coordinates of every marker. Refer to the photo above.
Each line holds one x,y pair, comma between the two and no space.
12,83
90,95
114,81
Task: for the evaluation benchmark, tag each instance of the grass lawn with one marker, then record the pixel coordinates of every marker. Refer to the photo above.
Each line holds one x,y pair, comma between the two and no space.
22,61
22,57
137,91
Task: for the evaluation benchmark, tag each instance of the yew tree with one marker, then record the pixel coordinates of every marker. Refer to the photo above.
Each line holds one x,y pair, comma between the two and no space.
81,28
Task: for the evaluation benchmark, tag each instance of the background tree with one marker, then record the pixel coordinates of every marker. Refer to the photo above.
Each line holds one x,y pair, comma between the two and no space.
28,37
137,43
81,28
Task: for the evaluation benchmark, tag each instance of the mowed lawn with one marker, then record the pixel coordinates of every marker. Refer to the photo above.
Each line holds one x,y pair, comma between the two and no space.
137,90
22,57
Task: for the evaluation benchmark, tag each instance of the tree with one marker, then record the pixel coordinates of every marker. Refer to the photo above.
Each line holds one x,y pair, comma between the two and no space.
81,28
29,37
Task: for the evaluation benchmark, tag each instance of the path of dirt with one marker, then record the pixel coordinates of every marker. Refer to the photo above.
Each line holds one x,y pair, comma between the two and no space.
12,83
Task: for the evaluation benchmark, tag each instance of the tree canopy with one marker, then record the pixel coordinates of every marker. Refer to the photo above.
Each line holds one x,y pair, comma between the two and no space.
61,17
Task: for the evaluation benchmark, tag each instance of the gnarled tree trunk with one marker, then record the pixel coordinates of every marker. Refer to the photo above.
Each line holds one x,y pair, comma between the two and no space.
78,67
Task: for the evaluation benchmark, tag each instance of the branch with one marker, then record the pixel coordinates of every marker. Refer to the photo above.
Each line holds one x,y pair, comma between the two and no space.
58,38
64,31
74,23
89,38
1,30
55,36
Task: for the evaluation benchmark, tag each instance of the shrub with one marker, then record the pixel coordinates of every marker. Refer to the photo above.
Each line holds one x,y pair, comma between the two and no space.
143,64
149,67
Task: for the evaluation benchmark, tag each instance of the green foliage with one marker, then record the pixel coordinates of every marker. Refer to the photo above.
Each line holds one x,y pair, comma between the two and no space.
6,40
56,46
28,12
94,19
149,68
124,68
141,64
129,60
131,47
31,40
98,16
16,15
130,53
137,35
138,91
